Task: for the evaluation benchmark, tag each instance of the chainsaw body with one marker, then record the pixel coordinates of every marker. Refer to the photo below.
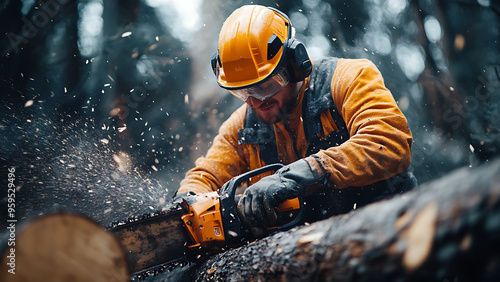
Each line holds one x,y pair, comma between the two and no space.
212,219
203,220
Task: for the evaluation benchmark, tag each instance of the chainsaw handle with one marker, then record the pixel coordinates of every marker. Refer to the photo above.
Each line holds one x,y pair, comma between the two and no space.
233,232
228,190
236,181
231,223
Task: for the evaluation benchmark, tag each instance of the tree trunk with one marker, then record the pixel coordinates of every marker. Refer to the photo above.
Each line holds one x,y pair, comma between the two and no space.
447,229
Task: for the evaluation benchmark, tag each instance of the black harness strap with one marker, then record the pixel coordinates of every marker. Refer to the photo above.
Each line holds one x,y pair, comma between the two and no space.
317,99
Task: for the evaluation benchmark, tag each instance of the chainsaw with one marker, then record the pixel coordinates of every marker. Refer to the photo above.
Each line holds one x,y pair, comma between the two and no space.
200,224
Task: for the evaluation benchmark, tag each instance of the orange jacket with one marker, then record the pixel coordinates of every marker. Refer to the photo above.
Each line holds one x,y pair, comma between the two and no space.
379,147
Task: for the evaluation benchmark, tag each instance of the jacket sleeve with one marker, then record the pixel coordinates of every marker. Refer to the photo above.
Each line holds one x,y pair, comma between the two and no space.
224,160
380,141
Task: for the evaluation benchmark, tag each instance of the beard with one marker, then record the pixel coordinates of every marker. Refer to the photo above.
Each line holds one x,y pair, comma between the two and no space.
276,109
273,115
272,112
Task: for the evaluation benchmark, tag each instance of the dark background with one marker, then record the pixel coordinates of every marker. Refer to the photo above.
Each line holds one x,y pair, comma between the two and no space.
106,104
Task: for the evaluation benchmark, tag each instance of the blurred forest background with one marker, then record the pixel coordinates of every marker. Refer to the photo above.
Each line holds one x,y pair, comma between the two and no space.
132,78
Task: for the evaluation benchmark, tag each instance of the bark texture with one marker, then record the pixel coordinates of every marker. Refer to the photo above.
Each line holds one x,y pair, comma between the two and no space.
448,229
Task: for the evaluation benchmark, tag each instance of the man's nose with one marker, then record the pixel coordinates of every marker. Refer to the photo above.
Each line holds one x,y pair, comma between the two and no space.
253,102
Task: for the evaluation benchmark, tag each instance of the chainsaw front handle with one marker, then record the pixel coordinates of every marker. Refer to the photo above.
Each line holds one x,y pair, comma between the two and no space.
233,230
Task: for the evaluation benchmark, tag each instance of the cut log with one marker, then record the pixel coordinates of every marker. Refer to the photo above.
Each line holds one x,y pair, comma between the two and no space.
445,230
63,247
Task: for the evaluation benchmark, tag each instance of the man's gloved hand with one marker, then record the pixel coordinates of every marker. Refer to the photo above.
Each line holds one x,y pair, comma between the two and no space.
258,208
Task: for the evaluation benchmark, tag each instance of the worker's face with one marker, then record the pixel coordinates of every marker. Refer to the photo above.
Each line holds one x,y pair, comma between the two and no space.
275,108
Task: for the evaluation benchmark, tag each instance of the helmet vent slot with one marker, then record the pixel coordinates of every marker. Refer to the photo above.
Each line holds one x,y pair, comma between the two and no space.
273,46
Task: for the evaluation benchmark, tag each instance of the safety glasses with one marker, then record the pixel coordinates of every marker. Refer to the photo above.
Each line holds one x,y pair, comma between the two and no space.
264,89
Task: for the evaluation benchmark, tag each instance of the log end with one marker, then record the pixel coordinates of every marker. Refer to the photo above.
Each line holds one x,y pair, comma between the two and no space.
64,247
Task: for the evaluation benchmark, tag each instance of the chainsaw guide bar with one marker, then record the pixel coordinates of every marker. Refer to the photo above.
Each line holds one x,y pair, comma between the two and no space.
153,241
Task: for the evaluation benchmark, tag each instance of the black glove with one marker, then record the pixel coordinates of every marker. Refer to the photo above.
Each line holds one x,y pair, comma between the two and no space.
258,208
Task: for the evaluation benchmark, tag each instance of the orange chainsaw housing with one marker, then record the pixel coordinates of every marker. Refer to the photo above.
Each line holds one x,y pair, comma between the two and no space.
204,222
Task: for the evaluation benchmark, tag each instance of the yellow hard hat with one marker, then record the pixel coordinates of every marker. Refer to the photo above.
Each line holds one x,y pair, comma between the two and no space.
258,54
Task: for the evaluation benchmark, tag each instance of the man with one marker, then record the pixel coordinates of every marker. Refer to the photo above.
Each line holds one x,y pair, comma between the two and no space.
332,123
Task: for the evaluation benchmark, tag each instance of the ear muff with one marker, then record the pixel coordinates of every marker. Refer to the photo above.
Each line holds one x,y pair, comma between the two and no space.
299,63
215,60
